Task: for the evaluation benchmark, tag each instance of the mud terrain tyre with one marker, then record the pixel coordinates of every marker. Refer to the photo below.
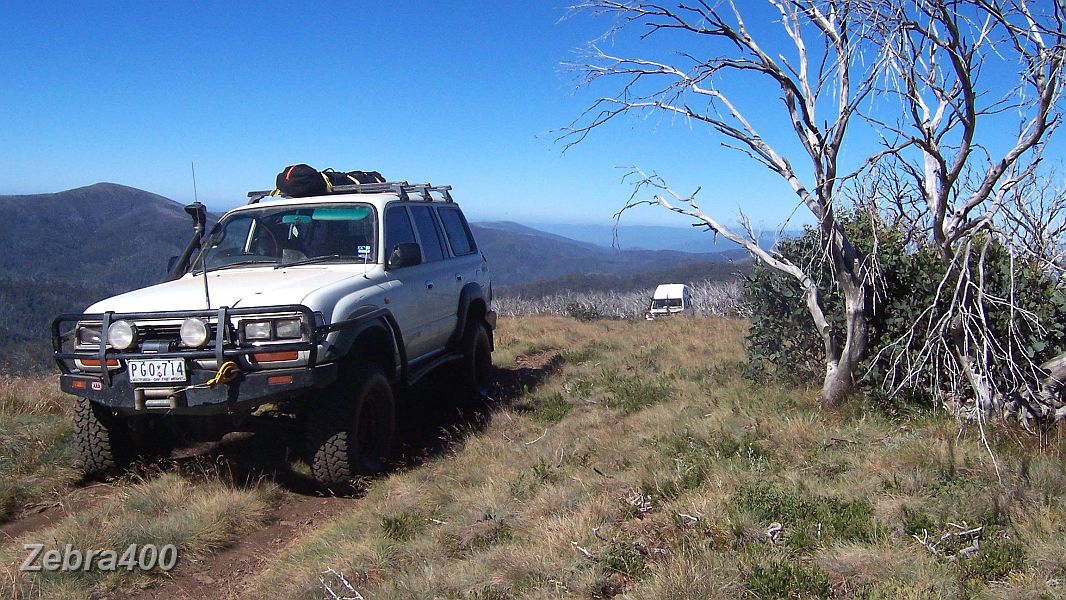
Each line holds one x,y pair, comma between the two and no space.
475,369
349,430
101,439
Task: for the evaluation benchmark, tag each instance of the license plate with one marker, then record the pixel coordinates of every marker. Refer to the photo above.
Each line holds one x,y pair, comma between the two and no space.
157,370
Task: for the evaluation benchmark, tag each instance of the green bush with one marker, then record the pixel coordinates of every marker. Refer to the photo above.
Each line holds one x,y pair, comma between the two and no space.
808,520
783,343
785,579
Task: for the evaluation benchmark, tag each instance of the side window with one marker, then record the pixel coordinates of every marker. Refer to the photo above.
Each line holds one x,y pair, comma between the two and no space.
429,233
459,236
397,228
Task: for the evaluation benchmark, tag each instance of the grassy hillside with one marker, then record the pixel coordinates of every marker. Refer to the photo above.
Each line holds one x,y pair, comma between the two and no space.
621,459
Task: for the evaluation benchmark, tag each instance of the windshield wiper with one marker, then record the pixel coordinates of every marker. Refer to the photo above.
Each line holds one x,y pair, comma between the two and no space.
239,263
318,259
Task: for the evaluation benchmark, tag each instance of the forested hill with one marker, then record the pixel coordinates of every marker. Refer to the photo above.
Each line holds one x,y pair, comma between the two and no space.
103,234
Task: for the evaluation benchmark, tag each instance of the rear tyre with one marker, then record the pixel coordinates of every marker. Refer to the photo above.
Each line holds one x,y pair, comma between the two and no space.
101,439
475,369
350,430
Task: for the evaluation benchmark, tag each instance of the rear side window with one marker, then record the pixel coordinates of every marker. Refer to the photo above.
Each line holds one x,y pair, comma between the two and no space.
459,236
429,233
397,228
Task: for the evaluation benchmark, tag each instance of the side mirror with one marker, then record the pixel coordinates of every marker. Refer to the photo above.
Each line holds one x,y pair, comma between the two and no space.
171,262
404,255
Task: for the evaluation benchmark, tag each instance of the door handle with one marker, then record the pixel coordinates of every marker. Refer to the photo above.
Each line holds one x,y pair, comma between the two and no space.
458,276
429,284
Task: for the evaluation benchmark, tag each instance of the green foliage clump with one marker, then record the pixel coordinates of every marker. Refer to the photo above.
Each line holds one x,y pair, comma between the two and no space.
402,527
551,408
631,392
620,557
808,520
996,559
911,290
786,579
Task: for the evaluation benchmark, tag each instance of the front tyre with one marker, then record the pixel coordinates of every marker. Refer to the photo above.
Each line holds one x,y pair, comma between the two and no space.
350,430
101,439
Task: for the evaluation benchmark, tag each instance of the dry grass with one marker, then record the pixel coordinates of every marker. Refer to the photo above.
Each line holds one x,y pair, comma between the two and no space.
646,466
649,421
39,396
198,518
36,456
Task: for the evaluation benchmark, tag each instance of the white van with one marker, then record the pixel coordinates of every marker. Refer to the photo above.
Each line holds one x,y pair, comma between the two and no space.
670,299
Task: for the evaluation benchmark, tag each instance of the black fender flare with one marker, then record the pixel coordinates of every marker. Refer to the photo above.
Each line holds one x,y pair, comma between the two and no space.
471,293
372,319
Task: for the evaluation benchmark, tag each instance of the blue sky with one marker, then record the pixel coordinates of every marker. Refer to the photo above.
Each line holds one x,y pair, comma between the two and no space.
465,93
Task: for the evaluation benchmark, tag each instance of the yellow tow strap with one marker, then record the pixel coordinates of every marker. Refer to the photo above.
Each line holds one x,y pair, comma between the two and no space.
225,374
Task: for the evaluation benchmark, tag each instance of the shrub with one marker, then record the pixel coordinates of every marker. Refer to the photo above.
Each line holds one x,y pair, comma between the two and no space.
907,293
786,579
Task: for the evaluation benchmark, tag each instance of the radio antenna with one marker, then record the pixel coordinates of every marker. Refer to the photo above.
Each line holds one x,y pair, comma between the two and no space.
203,251
195,196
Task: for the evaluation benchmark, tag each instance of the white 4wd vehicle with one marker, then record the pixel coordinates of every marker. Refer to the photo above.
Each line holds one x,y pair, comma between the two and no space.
323,306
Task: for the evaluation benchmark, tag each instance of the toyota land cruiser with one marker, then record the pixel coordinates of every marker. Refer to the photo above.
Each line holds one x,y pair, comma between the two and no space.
324,306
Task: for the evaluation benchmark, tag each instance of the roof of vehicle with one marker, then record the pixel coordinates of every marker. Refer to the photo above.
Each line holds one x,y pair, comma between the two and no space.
670,290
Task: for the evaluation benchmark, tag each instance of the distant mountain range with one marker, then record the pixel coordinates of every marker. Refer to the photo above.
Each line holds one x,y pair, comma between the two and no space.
652,237
520,255
64,251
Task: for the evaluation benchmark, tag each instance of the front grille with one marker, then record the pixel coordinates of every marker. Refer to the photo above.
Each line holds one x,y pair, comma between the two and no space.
159,332
169,333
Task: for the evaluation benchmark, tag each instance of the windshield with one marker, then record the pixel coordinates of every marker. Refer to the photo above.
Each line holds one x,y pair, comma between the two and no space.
666,303
291,235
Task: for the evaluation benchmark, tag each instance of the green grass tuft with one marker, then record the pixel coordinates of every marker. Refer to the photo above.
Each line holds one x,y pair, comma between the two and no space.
786,579
402,527
630,392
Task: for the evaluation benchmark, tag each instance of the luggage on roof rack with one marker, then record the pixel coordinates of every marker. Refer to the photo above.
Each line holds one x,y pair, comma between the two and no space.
302,180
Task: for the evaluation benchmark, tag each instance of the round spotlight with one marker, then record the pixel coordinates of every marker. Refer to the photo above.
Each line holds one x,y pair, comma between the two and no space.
122,335
194,332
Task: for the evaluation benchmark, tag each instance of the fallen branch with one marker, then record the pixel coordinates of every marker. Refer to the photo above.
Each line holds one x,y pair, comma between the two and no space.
583,552
347,587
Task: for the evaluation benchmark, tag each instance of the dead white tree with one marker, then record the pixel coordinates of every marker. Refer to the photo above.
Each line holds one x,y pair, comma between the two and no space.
820,87
963,95
979,84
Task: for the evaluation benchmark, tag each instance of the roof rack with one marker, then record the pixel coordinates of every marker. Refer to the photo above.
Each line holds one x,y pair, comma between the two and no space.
406,191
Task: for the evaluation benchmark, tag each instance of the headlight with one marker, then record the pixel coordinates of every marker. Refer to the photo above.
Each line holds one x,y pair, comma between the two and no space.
122,335
258,330
287,329
194,332
88,336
